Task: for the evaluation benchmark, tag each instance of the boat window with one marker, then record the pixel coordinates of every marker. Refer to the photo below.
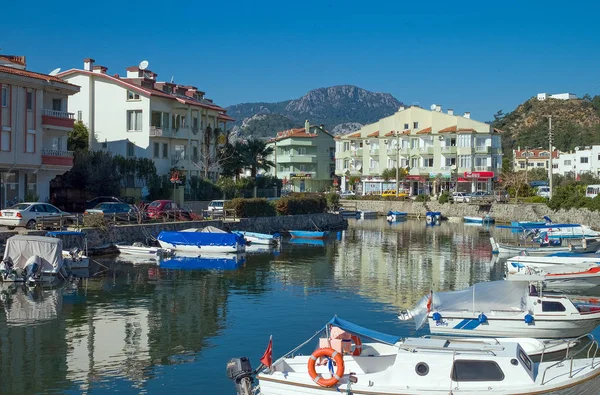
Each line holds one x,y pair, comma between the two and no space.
422,369
470,370
524,359
552,306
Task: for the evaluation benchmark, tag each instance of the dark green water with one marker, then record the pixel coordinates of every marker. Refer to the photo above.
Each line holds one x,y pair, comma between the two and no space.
141,329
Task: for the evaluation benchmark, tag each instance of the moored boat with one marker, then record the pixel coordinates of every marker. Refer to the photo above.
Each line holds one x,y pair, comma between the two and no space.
76,254
308,234
259,238
543,249
353,359
479,220
503,309
209,239
393,216
433,217
139,248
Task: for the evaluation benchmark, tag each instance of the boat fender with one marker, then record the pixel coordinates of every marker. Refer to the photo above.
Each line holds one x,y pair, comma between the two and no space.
482,318
330,354
436,316
528,319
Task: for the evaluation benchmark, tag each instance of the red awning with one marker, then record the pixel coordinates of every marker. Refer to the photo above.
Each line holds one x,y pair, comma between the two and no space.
479,174
415,178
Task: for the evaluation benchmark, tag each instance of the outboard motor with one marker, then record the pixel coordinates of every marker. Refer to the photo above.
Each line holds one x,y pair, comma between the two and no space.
75,253
33,269
240,371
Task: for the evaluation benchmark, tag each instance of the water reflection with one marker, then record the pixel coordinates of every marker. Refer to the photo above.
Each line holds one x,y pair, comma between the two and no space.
128,327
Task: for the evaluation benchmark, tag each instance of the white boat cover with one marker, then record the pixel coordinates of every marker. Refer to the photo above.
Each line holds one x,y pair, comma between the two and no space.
27,308
479,298
206,229
22,247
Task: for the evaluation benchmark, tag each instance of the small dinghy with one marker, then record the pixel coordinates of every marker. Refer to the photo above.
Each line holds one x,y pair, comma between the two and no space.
308,234
479,220
259,238
75,255
139,248
347,358
395,216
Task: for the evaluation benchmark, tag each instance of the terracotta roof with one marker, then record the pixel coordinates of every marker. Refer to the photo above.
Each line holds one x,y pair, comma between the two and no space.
467,130
31,74
536,153
406,131
129,83
15,59
374,134
497,130
451,129
337,137
354,135
295,133
388,134
425,131
225,117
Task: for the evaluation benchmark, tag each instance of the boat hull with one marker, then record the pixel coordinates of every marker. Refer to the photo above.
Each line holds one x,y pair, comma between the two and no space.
479,220
201,248
302,234
200,242
506,249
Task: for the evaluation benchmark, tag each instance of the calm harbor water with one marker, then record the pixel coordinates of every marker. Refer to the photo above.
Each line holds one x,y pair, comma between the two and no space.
141,329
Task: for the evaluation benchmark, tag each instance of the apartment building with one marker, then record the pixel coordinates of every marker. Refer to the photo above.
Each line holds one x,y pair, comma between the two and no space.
578,161
34,121
304,158
440,150
533,158
135,115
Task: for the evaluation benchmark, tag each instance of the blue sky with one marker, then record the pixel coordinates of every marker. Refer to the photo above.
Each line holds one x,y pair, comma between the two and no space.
471,56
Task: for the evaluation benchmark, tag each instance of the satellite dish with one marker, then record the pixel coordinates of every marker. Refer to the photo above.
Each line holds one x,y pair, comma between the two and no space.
55,71
433,107
359,167
143,65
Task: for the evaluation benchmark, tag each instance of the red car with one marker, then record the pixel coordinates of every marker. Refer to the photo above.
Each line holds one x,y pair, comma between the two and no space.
167,209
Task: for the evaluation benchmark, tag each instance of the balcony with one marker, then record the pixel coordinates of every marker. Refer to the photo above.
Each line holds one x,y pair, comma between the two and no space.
58,119
483,168
57,157
374,152
159,131
426,150
449,150
483,149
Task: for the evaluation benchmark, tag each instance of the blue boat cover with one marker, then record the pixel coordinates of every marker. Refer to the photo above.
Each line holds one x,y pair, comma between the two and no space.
397,213
64,233
430,213
201,238
359,330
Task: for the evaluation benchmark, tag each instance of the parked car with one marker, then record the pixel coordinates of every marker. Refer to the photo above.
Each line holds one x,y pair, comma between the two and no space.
345,194
481,196
27,214
118,210
461,197
101,199
216,207
391,192
167,209
543,192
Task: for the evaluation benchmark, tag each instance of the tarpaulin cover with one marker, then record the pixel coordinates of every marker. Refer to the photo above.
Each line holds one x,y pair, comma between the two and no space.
479,298
201,238
22,247
359,330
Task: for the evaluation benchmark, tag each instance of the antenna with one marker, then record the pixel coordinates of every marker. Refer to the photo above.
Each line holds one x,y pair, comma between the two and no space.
143,65
172,78
55,71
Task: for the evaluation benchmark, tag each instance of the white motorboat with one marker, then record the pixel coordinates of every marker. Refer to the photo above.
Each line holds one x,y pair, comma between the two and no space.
33,259
76,256
503,309
259,238
75,259
551,264
199,241
543,249
571,279
387,365
142,249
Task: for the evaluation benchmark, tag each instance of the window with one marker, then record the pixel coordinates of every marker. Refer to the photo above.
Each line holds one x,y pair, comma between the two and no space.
552,307
156,150
414,143
5,96
584,159
471,370
79,115
346,146
57,143
522,165
414,162
450,162
105,145
405,126
29,100
130,149
598,156
132,95
134,121
30,142
165,153
57,104
5,141
415,125
155,119
179,152
544,154
464,141
302,168
373,164
567,163
428,162
539,164
464,161
525,359
301,151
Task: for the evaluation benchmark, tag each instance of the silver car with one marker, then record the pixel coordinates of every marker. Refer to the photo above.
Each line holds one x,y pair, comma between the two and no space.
461,197
27,214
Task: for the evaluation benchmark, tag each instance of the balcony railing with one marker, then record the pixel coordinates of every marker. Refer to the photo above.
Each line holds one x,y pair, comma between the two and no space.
159,131
482,148
58,114
55,152
449,149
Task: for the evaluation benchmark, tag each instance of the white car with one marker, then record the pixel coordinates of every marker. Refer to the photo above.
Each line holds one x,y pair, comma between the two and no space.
347,193
216,207
461,197
27,214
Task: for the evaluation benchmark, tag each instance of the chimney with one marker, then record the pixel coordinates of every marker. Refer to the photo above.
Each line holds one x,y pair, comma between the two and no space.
450,111
438,108
100,69
401,108
467,115
307,126
88,64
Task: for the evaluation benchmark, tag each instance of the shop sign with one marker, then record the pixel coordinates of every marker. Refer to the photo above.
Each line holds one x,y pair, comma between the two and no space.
300,176
443,175
479,174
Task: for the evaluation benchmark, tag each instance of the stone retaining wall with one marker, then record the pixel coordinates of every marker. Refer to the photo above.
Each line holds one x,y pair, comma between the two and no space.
501,212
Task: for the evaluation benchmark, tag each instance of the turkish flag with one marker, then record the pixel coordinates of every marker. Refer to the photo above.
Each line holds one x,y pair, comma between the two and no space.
429,301
267,358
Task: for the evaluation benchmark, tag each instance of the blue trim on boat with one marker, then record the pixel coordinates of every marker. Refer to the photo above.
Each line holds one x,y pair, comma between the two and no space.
308,234
364,332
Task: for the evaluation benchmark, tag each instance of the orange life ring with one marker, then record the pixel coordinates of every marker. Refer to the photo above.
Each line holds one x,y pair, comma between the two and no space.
339,372
357,346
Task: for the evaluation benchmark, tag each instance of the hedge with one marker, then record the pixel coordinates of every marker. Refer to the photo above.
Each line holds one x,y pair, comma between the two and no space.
301,203
249,208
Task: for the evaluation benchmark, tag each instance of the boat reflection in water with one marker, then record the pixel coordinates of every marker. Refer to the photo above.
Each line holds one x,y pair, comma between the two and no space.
29,305
312,242
214,261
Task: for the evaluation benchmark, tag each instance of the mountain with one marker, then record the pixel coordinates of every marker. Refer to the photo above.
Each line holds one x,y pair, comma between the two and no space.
341,109
574,123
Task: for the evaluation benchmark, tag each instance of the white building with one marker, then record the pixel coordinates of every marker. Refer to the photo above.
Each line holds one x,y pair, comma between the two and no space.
586,160
138,116
34,122
558,96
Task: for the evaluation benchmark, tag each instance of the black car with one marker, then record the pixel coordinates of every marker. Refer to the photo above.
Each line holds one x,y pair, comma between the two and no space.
101,199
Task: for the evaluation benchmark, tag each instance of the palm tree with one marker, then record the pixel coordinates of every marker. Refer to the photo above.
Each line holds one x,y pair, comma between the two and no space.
254,154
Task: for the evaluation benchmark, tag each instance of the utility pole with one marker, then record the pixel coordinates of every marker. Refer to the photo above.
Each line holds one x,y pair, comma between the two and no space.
275,156
550,138
526,165
397,162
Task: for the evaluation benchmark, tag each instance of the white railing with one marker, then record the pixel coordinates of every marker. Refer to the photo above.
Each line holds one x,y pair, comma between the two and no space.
56,152
481,148
482,168
158,131
448,148
58,114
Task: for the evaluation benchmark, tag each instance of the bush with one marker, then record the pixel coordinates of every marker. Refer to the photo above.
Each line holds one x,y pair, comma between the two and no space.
444,198
301,203
250,208
534,199
333,201
422,198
